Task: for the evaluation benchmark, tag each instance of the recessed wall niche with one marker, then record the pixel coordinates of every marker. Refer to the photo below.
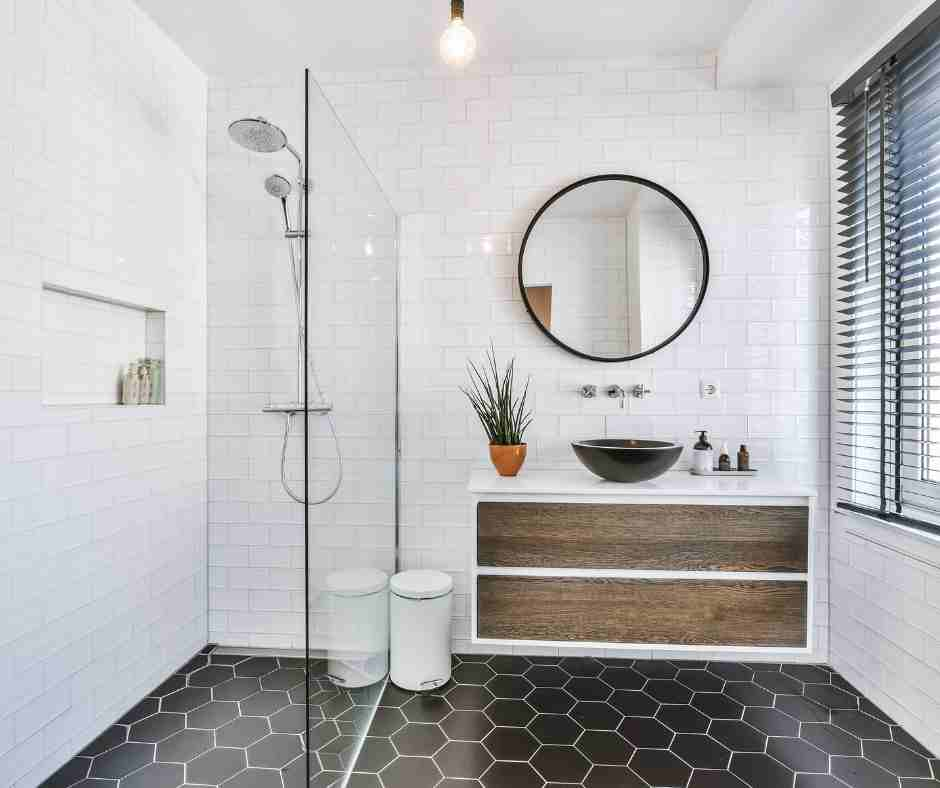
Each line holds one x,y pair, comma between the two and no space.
88,342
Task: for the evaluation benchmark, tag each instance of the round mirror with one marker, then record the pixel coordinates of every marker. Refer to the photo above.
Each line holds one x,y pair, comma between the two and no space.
613,267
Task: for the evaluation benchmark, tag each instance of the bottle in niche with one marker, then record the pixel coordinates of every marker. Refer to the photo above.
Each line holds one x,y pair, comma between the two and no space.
724,460
703,456
131,393
744,458
144,392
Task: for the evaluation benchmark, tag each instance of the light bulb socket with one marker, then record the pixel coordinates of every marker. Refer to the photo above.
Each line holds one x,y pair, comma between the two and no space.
456,9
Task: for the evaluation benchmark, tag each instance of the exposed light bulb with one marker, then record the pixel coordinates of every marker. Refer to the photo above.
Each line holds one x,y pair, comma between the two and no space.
458,44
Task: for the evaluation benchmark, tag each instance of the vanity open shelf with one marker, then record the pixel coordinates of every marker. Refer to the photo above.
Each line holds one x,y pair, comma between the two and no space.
678,563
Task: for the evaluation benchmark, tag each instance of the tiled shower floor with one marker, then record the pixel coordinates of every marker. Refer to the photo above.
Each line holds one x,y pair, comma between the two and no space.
229,720
509,722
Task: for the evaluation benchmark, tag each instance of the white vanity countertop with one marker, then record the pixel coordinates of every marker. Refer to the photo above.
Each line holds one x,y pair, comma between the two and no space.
570,482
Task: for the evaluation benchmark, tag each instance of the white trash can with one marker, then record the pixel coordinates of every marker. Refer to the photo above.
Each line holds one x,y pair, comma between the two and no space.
357,651
421,621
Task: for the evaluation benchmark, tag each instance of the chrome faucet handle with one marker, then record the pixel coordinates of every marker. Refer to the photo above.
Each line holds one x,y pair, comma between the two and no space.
617,391
589,391
641,390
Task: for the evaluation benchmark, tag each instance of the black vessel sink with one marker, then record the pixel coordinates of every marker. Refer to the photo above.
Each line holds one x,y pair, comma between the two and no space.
626,460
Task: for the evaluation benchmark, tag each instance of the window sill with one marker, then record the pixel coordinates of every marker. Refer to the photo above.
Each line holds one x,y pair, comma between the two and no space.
922,530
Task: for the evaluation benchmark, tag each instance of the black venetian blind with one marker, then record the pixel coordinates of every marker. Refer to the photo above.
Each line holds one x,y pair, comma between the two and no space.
886,347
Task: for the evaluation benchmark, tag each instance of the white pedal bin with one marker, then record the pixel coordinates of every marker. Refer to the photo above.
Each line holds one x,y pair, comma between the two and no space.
357,652
421,603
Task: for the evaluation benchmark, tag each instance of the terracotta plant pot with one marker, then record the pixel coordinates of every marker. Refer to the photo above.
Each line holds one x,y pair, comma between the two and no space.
507,459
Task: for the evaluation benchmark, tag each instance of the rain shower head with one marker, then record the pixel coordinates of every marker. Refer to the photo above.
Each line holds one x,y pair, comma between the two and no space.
258,135
277,186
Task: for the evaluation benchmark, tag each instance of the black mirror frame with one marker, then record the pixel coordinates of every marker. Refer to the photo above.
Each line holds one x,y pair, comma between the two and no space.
642,182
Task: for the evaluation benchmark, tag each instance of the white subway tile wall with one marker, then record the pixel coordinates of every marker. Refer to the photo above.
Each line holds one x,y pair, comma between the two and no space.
102,508
256,552
468,158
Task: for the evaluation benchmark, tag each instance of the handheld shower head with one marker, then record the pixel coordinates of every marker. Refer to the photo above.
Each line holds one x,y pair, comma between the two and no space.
277,186
258,135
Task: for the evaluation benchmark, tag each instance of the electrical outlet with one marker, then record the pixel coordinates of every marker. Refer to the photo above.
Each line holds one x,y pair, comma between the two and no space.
710,389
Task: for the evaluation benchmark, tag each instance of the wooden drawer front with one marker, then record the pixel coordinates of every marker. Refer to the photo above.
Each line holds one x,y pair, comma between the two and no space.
673,537
688,612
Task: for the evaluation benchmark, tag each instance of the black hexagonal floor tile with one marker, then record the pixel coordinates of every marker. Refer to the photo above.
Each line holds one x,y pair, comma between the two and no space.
419,738
797,754
472,673
896,759
408,772
861,773
717,706
111,738
655,668
458,725
186,699
263,703
596,716
550,700
612,777
700,680
387,720
830,697
282,679
623,678
210,675
143,709
633,703
426,708
701,751
70,773
830,739
512,744
216,766
605,747
773,722
463,759
242,732
156,727
509,664
683,719
255,778
172,684
555,729
184,746
801,709
584,688
469,697
256,667
507,774
510,712
509,686
903,738
155,775
748,694
236,689
274,751
668,691
737,735
547,676
212,715
581,666
730,671
707,778
860,724
559,763
661,768
291,719
375,755
760,769
645,732
778,683
808,674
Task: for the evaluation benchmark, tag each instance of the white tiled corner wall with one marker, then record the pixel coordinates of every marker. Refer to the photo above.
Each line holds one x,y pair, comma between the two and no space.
468,158
102,508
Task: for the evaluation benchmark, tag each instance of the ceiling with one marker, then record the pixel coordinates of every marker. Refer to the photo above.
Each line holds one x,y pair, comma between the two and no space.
274,36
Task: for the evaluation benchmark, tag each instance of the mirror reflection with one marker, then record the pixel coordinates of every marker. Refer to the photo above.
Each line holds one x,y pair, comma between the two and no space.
613,268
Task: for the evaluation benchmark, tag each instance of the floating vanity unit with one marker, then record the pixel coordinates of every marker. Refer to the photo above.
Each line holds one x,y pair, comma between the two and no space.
678,563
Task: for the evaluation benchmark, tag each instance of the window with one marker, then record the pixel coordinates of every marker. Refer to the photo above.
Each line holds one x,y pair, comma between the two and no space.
886,343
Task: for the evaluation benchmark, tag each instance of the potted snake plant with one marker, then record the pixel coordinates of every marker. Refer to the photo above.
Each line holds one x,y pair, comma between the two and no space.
502,410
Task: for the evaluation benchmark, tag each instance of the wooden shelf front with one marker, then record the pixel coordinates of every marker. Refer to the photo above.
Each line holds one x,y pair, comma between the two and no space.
607,610
670,537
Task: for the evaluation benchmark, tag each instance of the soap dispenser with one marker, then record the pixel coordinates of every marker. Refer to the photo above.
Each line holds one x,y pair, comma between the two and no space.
702,454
